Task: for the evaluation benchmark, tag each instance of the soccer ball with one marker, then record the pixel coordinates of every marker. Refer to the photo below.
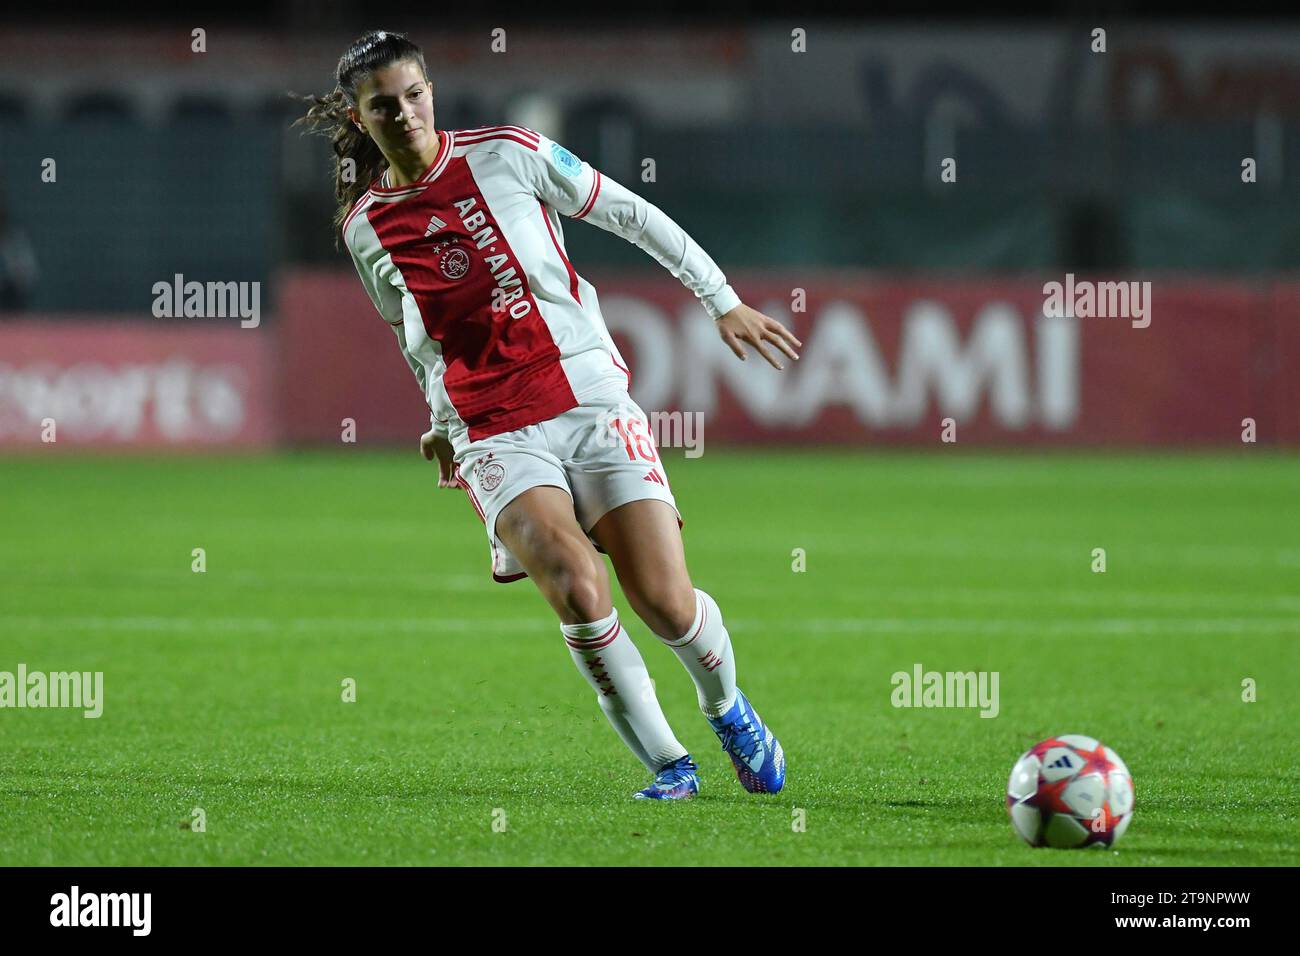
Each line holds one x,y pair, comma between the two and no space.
1070,791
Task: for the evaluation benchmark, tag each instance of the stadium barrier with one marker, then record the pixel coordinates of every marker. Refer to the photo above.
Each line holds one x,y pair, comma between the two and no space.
77,381
884,362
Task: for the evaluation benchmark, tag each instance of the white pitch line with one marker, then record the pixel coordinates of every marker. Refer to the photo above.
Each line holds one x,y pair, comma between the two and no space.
434,580
796,626
432,624
1003,627
1207,555
1103,598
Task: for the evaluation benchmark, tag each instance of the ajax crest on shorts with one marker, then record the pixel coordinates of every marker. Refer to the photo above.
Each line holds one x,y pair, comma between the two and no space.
491,474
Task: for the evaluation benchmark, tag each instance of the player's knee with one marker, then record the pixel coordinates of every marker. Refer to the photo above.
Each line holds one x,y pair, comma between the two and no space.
668,608
579,591
585,601
576,585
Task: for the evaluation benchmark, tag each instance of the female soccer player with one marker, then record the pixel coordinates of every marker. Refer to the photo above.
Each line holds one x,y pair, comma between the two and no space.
457,238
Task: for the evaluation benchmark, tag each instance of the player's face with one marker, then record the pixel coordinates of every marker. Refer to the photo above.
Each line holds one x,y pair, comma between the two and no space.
395,106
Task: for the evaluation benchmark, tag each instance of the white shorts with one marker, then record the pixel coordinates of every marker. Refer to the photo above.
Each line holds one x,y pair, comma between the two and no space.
601,453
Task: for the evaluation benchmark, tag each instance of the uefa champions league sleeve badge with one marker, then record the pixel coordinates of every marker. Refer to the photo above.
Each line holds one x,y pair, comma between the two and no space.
565,161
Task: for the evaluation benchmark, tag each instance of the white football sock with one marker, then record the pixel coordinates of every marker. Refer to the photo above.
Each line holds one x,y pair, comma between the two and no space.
705,652
606,656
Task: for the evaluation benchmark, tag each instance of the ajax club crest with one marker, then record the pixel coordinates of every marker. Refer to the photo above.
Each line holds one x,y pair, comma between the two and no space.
490,474
453,261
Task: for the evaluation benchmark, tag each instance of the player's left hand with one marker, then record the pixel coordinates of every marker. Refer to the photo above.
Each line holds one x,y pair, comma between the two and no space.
433,445
743,324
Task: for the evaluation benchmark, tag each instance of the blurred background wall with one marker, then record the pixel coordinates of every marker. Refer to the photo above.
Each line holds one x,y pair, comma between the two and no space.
793,169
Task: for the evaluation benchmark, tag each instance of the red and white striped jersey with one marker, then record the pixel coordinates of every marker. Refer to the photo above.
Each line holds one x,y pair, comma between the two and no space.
468,266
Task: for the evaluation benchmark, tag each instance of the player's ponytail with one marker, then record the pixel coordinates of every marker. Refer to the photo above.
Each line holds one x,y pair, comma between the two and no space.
358,160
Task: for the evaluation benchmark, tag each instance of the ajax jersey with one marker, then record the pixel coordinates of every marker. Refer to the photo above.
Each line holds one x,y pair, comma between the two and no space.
468,266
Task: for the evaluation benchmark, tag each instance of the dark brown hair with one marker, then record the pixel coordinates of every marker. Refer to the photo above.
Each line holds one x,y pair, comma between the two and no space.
328,114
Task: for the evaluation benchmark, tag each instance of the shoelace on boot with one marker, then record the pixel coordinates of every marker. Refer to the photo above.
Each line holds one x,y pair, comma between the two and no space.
676,772
744,731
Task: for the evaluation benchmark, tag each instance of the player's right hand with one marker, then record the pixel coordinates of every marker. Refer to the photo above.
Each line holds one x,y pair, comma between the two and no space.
432,444
743,324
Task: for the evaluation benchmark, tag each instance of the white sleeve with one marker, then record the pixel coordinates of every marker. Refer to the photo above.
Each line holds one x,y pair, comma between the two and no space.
574,189
388,302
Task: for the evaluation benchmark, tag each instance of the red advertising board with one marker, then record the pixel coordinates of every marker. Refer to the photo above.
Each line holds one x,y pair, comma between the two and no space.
89,381
884,362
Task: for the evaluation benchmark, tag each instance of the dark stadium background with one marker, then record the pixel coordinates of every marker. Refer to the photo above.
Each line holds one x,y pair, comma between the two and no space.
817,170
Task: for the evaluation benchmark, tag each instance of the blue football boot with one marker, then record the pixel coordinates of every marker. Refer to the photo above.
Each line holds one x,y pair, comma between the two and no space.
676,781
754,752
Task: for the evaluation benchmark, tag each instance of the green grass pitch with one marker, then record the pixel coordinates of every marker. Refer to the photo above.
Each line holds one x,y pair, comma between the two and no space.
223,690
